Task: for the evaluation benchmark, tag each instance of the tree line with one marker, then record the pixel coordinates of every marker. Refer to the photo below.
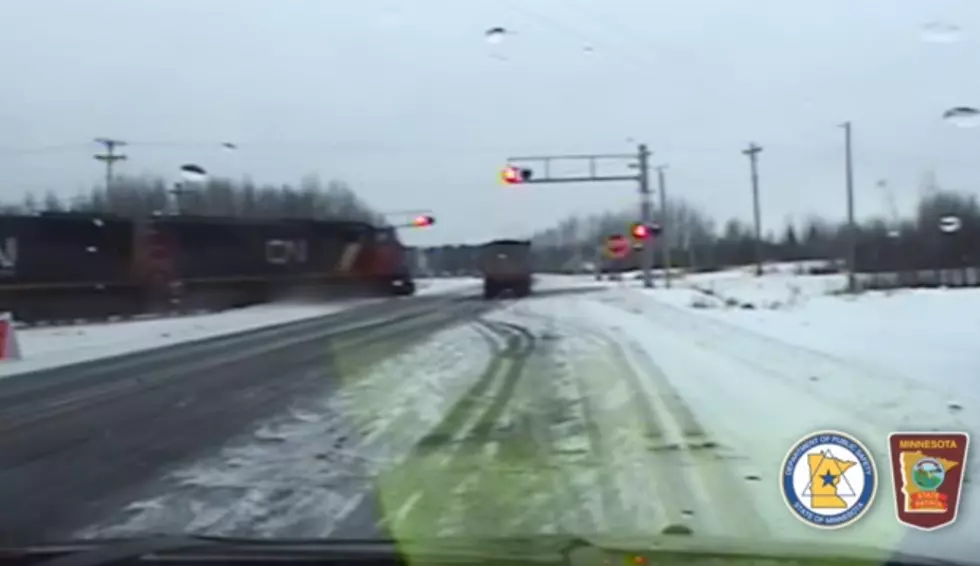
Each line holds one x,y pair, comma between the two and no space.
574,244
143,196
697,242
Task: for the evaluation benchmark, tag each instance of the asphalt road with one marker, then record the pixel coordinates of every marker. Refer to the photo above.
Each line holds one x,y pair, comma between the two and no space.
76,442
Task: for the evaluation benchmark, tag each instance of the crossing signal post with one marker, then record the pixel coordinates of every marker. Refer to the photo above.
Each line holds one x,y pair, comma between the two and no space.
516,173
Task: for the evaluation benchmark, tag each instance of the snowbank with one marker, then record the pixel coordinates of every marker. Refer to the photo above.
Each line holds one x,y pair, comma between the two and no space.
44,348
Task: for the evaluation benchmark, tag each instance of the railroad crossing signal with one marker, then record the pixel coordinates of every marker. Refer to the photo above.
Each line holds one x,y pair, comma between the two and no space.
515,175
423,221
618,246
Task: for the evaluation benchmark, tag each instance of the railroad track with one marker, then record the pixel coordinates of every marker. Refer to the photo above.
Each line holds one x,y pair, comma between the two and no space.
72,450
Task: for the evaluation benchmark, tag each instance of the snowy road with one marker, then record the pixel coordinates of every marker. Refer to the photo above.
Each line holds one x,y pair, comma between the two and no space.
71,444
618,411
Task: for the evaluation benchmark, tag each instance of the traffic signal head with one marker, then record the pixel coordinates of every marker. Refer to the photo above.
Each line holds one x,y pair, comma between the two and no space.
515,175
423,221
644,231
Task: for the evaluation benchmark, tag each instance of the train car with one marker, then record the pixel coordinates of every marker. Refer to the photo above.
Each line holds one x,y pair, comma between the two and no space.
389,263
223,262
57,266
368,260
49,260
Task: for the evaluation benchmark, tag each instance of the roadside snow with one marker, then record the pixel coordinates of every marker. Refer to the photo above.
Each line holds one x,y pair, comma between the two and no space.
435,286
763,378
802,358
44,348
920,335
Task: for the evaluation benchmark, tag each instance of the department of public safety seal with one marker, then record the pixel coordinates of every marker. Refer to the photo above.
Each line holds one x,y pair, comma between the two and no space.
829,479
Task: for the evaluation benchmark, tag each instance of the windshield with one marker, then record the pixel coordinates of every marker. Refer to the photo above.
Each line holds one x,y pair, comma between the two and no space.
490,268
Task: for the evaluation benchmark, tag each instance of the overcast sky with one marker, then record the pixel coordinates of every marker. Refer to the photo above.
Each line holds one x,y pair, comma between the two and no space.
408,102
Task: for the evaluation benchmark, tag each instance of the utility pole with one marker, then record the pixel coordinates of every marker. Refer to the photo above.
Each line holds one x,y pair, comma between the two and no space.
851,229
646,213
110,157
753,151
665,245
514,174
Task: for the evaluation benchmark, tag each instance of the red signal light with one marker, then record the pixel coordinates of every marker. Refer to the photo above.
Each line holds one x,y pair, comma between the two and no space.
423,221
515,175
645,231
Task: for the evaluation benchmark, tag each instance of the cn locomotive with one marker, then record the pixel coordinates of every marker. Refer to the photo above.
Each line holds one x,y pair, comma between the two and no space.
56,266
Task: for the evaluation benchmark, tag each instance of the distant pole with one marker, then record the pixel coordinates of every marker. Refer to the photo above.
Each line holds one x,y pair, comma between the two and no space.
665,231
851,228
646,212
110,157
753,151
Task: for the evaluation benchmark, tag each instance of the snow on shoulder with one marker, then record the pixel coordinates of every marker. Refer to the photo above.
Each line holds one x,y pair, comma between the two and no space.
44,348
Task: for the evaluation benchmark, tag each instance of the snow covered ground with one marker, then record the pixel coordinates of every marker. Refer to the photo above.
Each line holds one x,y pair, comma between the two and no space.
51,347
743,384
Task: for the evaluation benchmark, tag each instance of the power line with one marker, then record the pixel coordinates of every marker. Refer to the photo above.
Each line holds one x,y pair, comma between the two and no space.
267,146
597,16
588,40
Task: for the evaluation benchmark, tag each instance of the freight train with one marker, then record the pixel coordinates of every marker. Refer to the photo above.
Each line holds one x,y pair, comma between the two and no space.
57,266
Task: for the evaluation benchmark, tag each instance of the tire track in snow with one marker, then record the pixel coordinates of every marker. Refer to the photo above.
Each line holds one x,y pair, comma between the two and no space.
759,398
708,484
682,466
881,407
556,490
429,490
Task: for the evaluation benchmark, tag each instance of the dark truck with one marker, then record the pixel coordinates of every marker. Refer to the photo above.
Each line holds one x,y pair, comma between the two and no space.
506,265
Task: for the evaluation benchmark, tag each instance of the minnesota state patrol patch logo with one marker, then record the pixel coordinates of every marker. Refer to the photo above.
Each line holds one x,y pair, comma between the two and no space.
928,469
829,479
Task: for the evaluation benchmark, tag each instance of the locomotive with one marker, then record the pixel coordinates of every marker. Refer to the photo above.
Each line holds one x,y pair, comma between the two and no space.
56,266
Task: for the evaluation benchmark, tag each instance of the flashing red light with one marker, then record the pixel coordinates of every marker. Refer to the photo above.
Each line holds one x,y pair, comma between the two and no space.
641,231
515,175
511,175
423,221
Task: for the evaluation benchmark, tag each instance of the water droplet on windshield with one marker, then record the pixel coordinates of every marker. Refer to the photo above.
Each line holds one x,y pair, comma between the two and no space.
962,117
938,32
495,35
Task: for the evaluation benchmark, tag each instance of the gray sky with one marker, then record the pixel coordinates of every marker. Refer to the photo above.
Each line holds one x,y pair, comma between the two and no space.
406,100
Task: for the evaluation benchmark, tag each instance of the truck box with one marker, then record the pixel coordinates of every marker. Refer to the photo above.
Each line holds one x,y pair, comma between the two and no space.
506,266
